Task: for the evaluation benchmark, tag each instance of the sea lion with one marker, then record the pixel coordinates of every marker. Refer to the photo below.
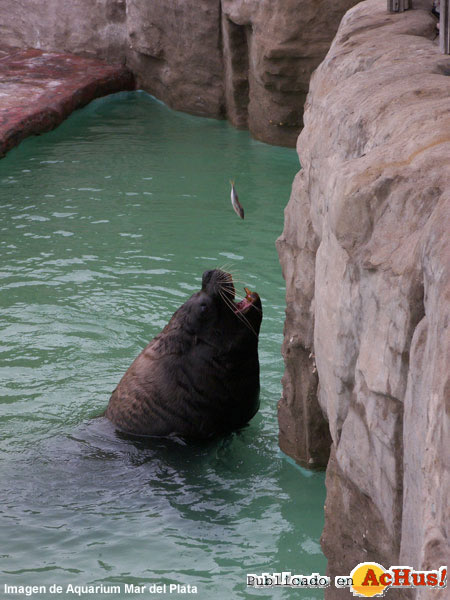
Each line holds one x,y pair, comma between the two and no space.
199,377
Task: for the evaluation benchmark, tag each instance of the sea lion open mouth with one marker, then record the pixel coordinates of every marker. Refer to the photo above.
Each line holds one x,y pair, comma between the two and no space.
199,377
244,305
226,286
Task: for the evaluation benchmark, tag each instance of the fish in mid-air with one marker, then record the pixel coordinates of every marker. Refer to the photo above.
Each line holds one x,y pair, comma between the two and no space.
235,201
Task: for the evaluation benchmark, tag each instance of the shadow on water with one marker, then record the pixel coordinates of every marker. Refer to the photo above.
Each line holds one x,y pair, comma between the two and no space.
198,512
186,473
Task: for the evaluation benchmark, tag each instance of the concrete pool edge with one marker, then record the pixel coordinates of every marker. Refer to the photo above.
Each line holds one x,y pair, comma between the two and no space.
40,89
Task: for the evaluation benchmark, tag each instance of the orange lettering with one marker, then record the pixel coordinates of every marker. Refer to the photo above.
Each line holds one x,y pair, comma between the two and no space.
432,579
418,578
386,579
401,576
370,578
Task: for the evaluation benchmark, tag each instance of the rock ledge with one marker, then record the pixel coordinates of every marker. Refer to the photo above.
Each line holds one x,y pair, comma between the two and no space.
38,90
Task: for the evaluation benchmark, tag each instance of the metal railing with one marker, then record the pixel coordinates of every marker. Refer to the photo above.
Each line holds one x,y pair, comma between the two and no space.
444,27
398,5
444,19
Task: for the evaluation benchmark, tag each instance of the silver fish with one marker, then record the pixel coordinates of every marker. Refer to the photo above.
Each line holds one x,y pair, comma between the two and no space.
235,202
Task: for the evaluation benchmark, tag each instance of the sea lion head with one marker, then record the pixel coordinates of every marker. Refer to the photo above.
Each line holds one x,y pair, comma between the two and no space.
214,310
200,376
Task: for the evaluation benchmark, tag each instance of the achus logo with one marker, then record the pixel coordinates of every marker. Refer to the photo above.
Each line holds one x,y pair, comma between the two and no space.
372,579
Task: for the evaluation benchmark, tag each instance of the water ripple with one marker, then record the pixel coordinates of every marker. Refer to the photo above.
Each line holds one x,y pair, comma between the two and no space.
107,224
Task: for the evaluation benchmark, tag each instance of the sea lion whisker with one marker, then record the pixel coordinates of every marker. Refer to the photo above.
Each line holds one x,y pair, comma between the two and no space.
224,283
225,271
233,272
225,280
231,306
246,322
226,287
227,301
225,268
258,309
225,276
240,316
230,278
229,293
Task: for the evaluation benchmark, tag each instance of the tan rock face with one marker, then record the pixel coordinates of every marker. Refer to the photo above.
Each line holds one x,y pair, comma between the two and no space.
366,257
247,60
175,50
284,42
88,27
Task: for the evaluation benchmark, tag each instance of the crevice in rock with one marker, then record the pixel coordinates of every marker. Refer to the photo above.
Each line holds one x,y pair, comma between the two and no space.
236,40
417,313
221,16
116,12
443,68
304,431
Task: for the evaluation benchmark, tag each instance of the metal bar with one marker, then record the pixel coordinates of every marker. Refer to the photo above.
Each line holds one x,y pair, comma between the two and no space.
444,27
398,5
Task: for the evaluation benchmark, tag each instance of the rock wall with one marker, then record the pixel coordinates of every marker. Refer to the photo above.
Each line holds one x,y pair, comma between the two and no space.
270,51
247,60
366,257
175,50
95,28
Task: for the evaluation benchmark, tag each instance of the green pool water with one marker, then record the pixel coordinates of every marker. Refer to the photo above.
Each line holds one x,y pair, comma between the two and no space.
106,226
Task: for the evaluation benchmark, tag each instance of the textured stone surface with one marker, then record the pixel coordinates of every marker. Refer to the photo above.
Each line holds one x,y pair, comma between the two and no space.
175,51
247,60
88,27
284,42
40,89
366,257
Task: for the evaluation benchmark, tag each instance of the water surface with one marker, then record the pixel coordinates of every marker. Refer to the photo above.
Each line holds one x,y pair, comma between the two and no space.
106,226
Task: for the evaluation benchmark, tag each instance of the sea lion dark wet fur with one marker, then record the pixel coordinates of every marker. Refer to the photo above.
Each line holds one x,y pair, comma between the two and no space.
200,376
